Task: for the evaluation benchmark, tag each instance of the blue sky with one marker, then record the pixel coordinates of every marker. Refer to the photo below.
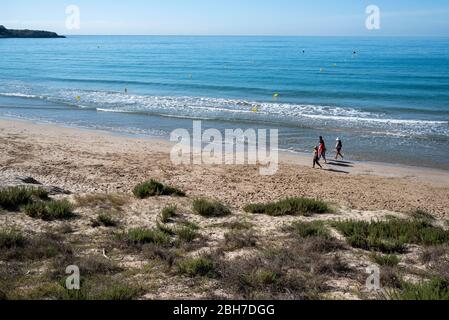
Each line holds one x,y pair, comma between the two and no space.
232,17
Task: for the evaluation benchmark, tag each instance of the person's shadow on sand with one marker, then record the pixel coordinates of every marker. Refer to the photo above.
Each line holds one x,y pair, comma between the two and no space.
336,171
340,164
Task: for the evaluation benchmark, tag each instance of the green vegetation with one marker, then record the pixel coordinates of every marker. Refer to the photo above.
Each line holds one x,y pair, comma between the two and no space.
391,236
36,210
238,239
60,210
140,236
310,229
388,260
154,188
104,219
290,206
48,211
186,234
168,213
194,267
13,198
422,215
207,208
435,289
11,239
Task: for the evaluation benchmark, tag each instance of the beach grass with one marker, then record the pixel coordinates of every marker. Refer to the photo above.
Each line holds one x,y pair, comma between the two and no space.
194,267
140,236
387,260
391,236
105,220
433,290
208,208
49,211
12,198
419,214
186,233
310,229
11,239
290,206
239,239
153,188
168,213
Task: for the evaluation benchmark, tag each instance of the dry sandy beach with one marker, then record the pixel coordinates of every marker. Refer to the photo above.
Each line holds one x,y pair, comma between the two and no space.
86,161
100,165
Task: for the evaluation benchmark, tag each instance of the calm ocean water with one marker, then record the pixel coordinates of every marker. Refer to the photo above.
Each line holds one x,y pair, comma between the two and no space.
388,102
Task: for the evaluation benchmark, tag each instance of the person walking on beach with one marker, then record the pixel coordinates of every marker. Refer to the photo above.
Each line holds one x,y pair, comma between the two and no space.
322,150
339,147
316,158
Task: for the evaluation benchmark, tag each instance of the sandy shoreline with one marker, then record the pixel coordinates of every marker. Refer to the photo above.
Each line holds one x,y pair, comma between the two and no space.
93,161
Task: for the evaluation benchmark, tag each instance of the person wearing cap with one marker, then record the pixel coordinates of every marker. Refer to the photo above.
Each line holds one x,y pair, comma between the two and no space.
339,147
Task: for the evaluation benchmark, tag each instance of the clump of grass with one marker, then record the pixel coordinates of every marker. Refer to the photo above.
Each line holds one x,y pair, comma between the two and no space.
388,260
238,239
422,215
391,236
20,248
11,239
48,211
154,188
102,288
294,271
60,210
12,198
140,236
166,229
194,267
191,225
104,219
186,234
207,208
310,229
435,289
290,206
40,194
168,213
36,210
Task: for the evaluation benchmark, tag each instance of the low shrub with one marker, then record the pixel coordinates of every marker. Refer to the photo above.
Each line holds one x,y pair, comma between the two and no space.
168,213
310,229
140,236
12,198
391,236
207,208
290,206
154,188
435,289
388,260
194,267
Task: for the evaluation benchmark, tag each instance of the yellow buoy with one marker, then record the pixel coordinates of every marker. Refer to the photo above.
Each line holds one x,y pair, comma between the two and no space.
255,109
276,95
78,98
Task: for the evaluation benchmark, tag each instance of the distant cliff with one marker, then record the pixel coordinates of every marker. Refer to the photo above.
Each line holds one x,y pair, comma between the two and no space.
7,33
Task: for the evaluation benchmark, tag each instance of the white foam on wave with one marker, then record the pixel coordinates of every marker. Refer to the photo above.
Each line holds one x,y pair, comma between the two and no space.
204,108
21,95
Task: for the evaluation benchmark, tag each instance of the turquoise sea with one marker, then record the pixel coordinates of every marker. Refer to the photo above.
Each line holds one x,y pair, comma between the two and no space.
387,98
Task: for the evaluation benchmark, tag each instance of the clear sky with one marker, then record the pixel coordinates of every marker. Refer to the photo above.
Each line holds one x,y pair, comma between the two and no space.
231,17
